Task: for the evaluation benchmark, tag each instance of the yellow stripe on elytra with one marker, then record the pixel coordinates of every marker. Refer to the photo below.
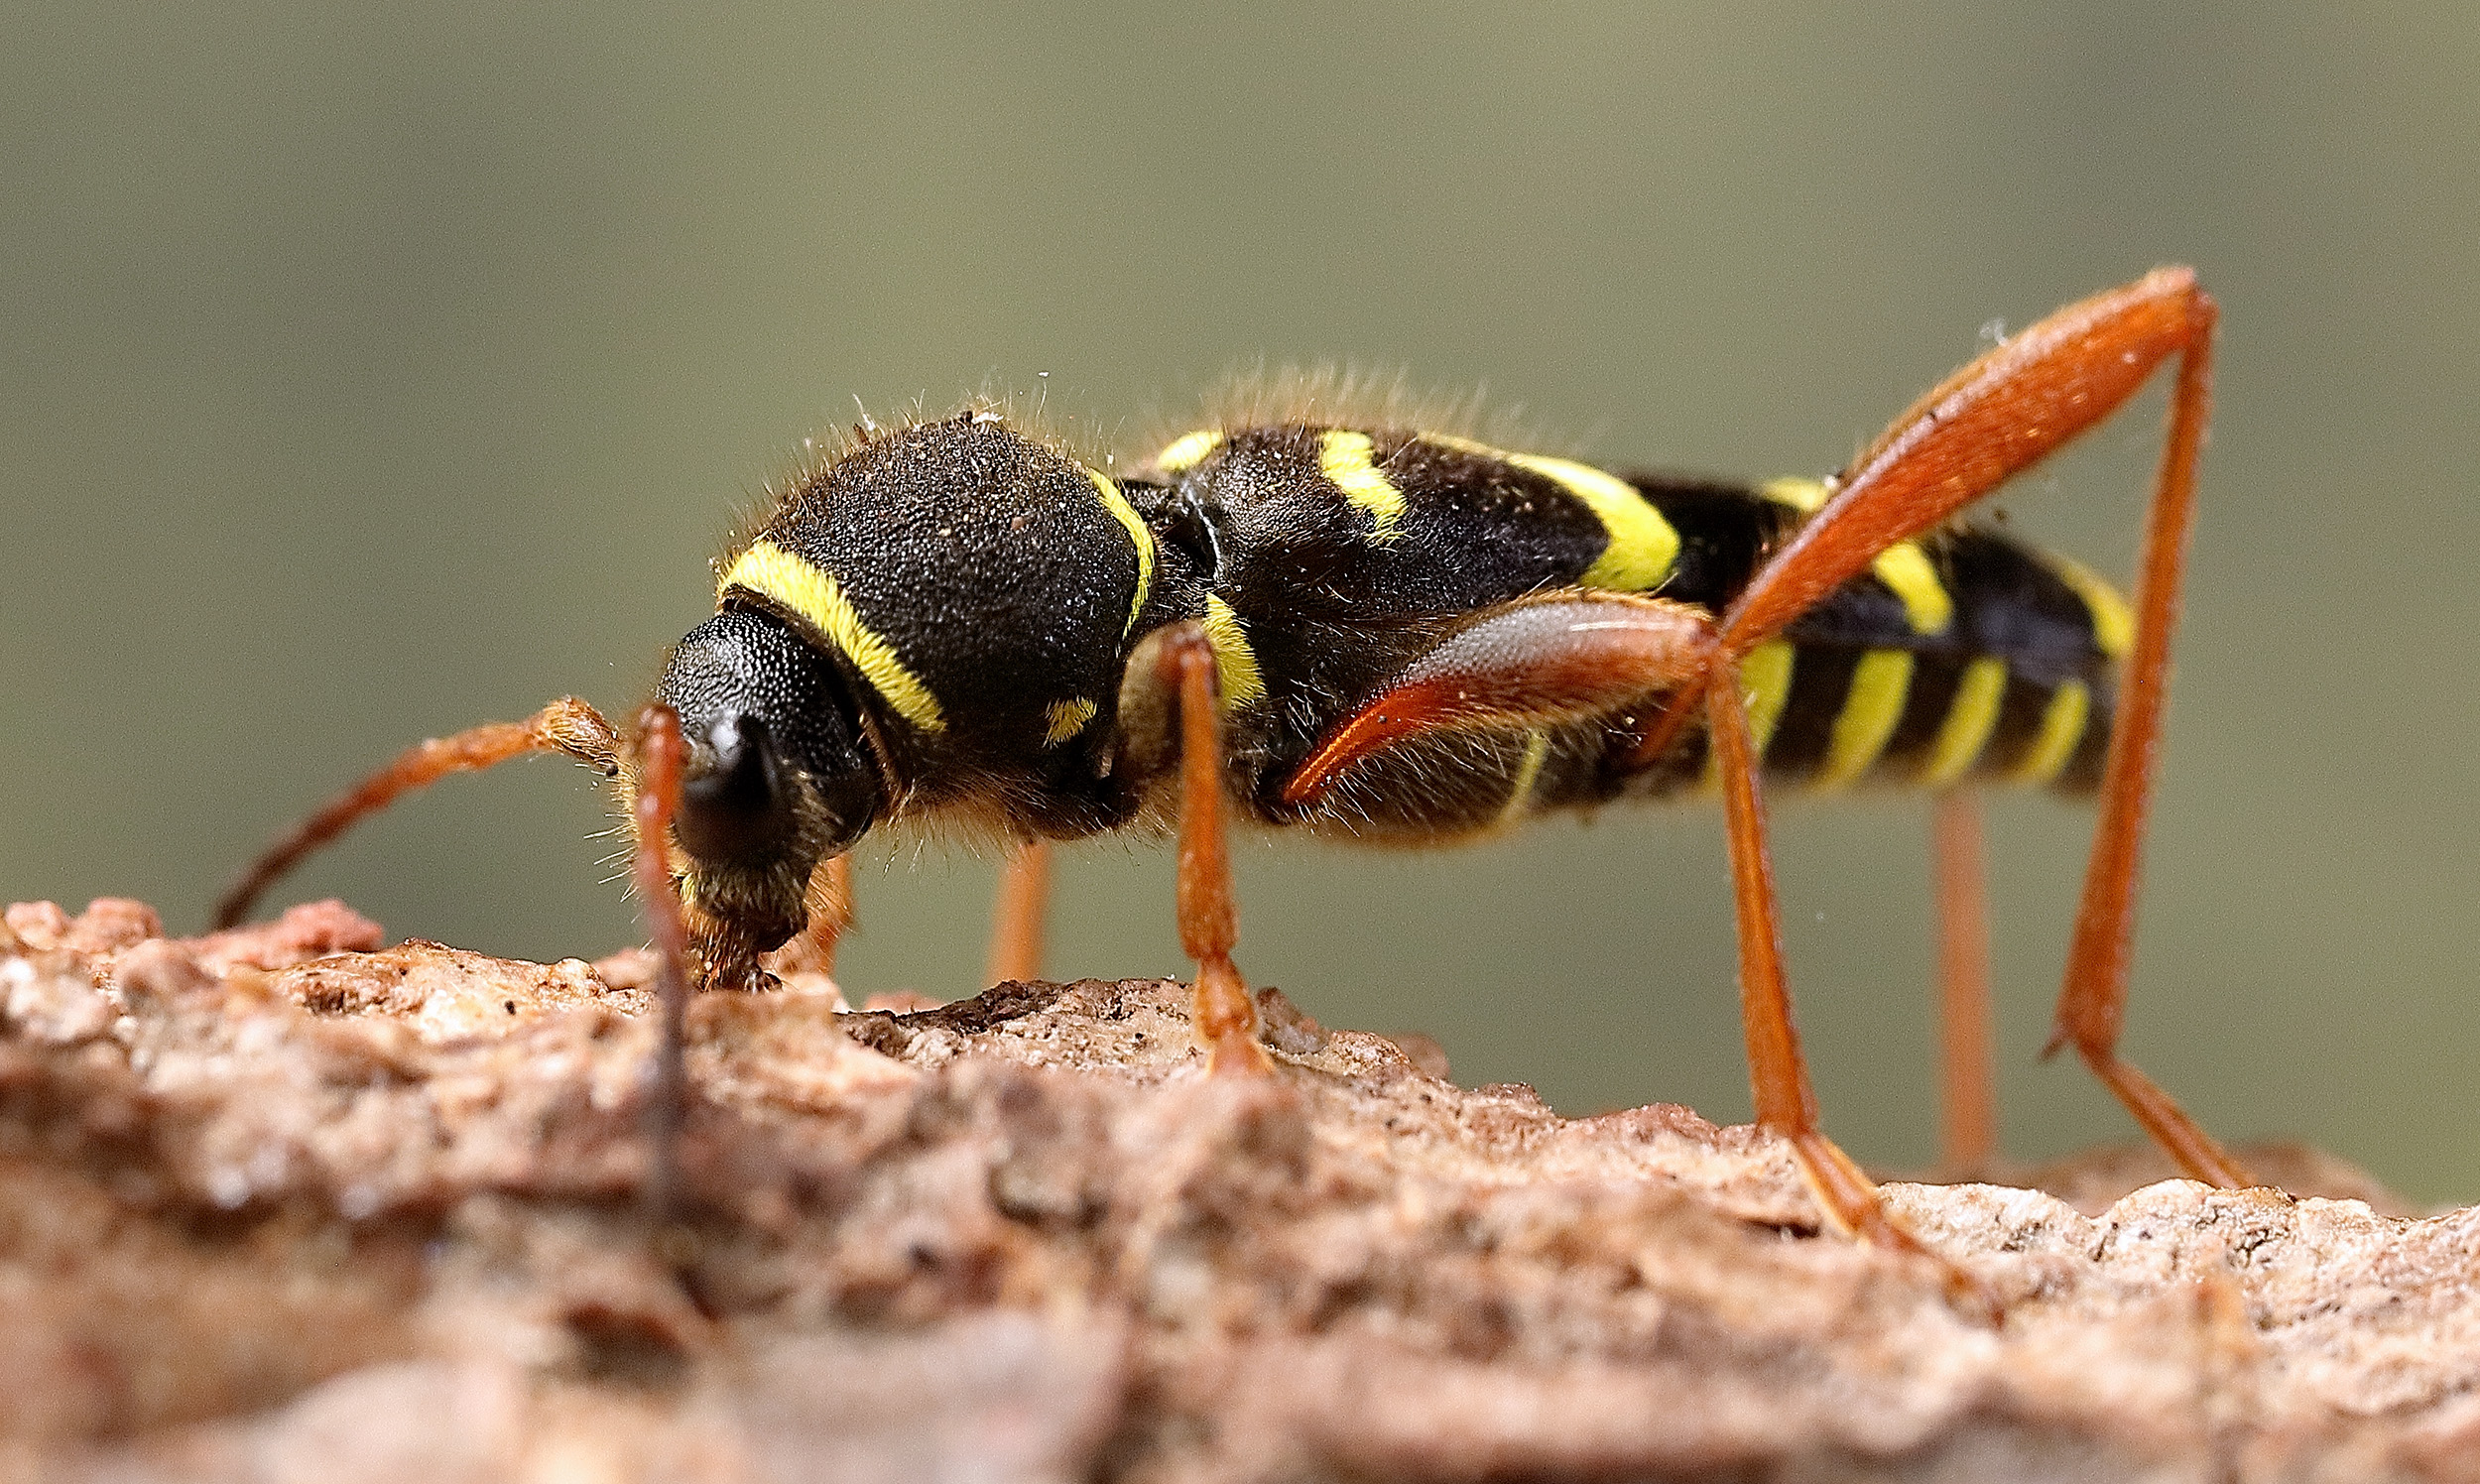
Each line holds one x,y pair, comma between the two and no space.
2113,622
1764,680
790,583
1871,708
1235,663
1189,450
1904,567
1126,514
1528,772
2061,727
1643,545
1802,495
1971,717
1063,719
1351,461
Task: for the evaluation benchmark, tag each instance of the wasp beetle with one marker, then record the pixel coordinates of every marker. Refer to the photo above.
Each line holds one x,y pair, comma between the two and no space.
1371,628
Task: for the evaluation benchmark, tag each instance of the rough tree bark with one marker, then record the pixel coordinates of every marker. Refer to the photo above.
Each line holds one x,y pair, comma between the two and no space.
282,1203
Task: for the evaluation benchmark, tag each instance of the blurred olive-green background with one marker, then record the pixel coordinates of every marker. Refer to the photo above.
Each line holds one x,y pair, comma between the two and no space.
367,371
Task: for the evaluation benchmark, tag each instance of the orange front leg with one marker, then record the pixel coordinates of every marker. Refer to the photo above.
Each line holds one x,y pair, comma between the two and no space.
1224,1012
659,755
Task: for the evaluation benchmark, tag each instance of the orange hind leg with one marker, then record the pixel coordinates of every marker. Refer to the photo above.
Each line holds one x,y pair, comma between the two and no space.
1990,420
1987,423
1968,1101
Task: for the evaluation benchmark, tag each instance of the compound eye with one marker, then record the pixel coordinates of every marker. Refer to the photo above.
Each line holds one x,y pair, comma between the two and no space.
734,808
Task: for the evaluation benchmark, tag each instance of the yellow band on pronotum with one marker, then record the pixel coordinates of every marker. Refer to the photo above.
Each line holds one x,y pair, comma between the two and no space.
791,585
1116,502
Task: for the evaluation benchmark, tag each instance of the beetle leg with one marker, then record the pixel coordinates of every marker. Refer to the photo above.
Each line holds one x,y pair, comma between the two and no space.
1777,1073
1968,1122
1990,420
1017,918
657,799
1594,654
1223,1010
1567,657
829,916
2093,1004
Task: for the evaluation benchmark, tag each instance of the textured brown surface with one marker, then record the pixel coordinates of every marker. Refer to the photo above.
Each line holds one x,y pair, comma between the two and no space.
268,1214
